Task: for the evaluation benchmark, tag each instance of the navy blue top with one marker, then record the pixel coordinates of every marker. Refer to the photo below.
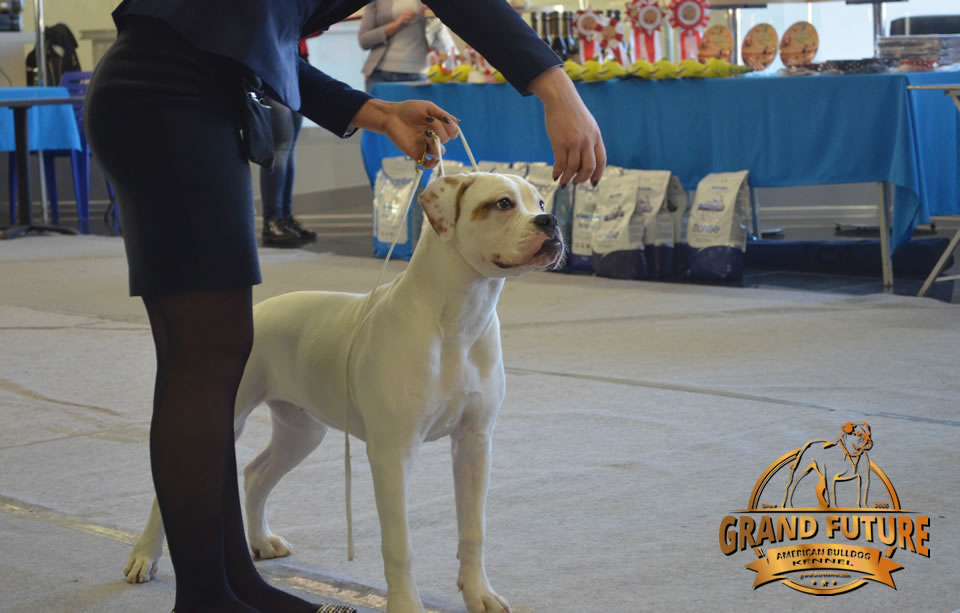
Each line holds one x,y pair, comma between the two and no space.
263,35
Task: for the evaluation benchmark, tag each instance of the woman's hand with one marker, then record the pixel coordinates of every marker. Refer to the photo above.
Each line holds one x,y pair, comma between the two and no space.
578,151
403,20
410,125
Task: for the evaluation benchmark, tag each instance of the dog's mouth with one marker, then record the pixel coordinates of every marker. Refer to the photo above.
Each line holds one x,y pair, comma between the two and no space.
550,247
550,251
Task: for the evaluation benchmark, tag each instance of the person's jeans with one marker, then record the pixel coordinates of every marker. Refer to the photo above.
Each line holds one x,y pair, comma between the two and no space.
276,187
383,76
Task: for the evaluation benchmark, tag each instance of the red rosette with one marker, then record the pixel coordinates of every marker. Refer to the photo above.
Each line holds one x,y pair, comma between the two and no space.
689,16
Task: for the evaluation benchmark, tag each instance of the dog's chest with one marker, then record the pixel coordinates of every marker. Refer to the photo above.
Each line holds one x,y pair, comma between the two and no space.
469,387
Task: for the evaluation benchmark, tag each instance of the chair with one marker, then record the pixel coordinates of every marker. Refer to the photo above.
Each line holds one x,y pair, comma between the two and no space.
76,84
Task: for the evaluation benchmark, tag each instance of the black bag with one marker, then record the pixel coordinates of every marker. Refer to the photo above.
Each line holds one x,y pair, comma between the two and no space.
56,39
256,132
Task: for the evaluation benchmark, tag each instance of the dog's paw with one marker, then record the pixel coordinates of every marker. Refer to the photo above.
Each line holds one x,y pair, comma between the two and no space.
271,547
140,568
481,598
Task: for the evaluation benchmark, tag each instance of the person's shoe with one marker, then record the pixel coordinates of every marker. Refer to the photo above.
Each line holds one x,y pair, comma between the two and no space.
292,223
277,234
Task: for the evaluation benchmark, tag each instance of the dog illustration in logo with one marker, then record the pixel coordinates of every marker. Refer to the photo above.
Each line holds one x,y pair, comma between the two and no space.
844,459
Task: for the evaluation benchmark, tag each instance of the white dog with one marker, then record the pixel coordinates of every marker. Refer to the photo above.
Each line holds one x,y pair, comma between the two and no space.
425,363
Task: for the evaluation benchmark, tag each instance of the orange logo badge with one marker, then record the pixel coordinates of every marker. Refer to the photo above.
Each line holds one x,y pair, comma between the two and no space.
829,490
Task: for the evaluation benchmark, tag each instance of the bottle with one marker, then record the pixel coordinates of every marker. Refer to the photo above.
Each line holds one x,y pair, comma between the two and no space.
557,43
545,29
533,22
569,29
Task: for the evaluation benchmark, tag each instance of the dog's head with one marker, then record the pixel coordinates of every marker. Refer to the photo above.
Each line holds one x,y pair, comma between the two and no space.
860,433
496,222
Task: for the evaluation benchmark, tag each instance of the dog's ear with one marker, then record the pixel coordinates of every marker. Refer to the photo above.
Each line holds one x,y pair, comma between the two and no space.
441,203
848,427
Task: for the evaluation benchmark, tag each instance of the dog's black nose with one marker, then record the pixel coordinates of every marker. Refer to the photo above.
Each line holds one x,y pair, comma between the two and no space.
545,222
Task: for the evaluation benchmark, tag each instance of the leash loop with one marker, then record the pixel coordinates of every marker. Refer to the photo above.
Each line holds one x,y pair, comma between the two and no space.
365,310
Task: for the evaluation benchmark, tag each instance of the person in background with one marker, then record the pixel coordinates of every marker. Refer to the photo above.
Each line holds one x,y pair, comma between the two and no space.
280,227
398,36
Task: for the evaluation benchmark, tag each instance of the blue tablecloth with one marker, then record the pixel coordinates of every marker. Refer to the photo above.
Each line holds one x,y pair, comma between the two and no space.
48,127
785,130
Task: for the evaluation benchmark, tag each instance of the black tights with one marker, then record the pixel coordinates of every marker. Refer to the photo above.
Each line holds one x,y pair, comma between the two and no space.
203,339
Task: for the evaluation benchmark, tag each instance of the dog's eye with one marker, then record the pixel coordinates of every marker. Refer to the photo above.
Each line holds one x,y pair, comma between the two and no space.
542,207
504,204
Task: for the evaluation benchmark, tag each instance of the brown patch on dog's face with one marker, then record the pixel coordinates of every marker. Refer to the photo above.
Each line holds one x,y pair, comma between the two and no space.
480,213
463,187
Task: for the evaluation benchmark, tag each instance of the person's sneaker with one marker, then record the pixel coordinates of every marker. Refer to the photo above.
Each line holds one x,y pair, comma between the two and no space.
293,224
277,234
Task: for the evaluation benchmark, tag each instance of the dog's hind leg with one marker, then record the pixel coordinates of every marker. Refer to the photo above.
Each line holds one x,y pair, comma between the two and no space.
142,563
295,436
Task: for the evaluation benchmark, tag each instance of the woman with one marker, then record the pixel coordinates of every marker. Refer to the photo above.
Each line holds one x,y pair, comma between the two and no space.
162,118
396,34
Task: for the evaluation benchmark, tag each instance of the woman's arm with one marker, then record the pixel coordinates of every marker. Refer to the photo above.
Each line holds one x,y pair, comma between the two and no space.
371,36
501,36
336,106
330,103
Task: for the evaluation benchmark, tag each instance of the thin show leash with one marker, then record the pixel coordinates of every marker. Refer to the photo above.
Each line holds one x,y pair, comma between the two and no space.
365,311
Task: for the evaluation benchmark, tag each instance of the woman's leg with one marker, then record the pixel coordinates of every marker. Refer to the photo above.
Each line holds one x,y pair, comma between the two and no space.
272,183
286,209
203,339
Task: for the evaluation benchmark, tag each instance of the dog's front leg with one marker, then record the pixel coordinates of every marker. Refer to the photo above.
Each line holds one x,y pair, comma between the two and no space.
471,472
390,463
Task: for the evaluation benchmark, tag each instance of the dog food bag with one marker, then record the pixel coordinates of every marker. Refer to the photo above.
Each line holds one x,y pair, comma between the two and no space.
718,227
585,221
450,167
518,168
618,233
556,200
678,207
657,221
391,195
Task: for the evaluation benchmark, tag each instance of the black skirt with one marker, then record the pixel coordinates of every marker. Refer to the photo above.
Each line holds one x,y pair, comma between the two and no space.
162,119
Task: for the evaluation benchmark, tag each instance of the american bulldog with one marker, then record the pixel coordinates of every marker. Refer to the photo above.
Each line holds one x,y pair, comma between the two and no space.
423,363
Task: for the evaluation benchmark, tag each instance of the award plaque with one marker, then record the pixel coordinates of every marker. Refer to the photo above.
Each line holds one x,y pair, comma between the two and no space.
716,42
760,46
799,44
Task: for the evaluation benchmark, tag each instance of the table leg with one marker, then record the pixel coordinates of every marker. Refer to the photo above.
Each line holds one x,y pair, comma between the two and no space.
939,267
883,213
755,213
22,153
24,213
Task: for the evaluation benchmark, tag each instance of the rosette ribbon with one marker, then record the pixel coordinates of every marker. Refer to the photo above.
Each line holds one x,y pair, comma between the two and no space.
688,16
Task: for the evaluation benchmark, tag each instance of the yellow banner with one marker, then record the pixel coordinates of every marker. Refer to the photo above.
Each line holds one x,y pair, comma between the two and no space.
795,558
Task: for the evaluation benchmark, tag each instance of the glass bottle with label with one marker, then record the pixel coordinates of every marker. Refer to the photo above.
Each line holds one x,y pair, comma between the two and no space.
545,29
557,42
569,30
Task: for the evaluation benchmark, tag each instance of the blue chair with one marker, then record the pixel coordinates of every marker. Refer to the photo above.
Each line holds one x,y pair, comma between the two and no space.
76,83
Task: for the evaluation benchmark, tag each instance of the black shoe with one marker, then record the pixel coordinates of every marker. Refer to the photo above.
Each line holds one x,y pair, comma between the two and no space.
292,223
277,234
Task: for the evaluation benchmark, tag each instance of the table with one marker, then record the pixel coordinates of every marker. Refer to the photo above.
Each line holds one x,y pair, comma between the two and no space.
786,131
953,91
56,129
